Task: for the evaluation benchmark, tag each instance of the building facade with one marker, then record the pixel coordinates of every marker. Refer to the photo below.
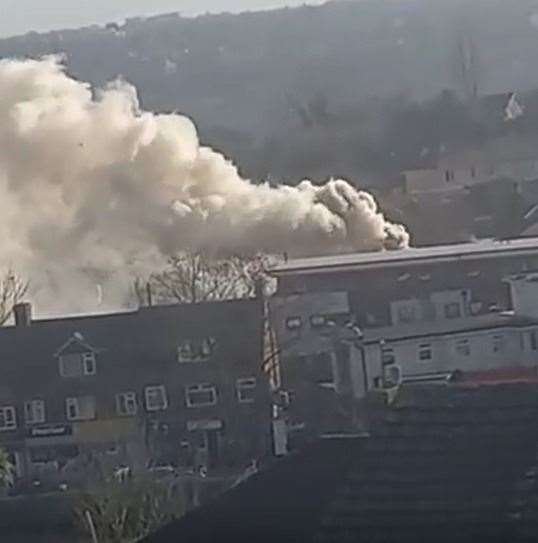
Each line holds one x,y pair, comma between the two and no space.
180,385
350,324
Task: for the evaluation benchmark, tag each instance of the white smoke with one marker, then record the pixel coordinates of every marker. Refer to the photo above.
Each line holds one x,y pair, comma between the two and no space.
94,190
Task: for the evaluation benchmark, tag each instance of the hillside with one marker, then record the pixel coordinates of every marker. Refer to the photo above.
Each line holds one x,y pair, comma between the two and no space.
293,91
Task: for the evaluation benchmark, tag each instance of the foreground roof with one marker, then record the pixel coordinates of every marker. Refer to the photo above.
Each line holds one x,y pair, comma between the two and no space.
482,249
443,463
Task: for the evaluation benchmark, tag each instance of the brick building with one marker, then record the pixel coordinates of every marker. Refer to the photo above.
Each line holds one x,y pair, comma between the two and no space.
179,385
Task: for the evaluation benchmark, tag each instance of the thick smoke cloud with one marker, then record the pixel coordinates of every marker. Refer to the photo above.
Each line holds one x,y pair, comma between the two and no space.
94,190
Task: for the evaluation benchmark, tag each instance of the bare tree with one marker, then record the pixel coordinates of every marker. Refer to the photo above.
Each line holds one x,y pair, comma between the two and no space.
196,277
12,290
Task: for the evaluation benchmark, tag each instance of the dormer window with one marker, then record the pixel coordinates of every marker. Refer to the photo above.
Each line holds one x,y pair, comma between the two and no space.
196,351
77,364
318,321
294,323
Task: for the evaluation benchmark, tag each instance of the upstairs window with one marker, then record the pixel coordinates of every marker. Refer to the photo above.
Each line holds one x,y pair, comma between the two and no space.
8,420
425,353
498,344
246,390
323,369
294,323
407,313
34,412
387,356
77,364
156,399
201,395
196,351
463,347
81,408
452,310
126,404
533,340
318,321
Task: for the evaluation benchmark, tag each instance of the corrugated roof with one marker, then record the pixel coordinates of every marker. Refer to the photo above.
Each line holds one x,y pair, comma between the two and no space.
487,248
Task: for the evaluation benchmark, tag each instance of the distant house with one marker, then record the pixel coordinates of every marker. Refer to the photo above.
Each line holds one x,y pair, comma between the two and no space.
180,385
502,153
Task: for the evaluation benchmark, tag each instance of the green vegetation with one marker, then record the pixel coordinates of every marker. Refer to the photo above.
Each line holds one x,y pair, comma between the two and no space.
6,470
124,512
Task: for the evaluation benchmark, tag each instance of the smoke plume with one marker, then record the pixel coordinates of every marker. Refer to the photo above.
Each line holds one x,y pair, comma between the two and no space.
93,190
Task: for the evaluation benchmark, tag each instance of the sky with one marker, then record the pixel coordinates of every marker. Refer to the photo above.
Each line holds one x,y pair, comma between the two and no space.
20,16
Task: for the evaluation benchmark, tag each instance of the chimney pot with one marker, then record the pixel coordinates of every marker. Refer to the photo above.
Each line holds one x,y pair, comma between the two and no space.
23,314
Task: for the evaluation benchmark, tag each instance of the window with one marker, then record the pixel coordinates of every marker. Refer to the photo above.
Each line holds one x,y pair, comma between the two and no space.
77,364
406,313
322,367
126,404
8,420
34,412
498,344
463,347
201,395
88,363
318,321
246,390
449,175
452,310
81,408
425,352
533,340
294,323
387,356
473,172
196,351
156,399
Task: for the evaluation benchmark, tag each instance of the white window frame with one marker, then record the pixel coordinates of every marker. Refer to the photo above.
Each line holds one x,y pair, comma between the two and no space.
498,343
424,348
148,391
248,384
294,323
201,351
318,321
201,387
127,400
388,356
447,310
34,411
9,416
89,366
463,347
75,402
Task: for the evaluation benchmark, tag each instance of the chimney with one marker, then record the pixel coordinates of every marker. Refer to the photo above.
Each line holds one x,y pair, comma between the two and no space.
23,314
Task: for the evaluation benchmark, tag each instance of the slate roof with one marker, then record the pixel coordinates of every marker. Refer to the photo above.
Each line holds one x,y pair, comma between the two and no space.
442,463
149,336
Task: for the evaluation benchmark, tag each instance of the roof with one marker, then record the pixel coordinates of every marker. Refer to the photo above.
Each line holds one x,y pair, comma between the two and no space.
148,336
425,472
487,248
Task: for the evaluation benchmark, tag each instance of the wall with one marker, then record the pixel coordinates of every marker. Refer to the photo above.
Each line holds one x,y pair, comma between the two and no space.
517,350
